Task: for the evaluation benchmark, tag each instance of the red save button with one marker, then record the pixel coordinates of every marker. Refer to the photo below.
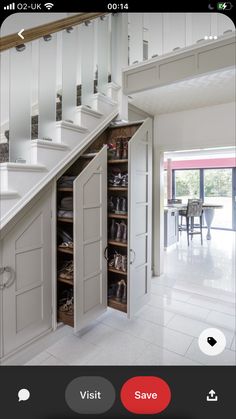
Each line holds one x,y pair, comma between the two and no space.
145,395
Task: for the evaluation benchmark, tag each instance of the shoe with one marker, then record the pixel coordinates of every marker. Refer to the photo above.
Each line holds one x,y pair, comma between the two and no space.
67,271
118,154
123,206
117,205
118,232
124,232
124,181
119,291
123,266
124,294
112,233
125,149
111,206
118,262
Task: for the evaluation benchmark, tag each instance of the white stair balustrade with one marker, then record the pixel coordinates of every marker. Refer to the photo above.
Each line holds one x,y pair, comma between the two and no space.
69,69
49,84
102,46
86,43
47,87
20,102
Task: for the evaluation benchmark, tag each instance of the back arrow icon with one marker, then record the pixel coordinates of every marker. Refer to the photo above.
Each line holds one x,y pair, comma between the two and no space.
20,34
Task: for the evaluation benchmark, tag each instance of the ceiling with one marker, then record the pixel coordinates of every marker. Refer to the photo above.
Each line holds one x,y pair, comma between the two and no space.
207,153
207,90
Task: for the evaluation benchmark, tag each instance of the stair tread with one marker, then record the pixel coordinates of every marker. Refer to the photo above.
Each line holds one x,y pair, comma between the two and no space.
23,166
49,144
89,111
7,193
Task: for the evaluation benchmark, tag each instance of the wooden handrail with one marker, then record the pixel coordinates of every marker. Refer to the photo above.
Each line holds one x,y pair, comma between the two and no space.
10,41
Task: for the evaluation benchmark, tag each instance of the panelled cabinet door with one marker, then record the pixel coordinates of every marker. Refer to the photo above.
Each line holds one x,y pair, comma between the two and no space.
27,294
140,217
90,241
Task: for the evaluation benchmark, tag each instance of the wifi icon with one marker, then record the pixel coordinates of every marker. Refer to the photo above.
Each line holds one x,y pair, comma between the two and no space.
49,5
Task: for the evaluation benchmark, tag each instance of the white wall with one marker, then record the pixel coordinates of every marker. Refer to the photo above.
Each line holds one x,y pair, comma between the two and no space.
212,126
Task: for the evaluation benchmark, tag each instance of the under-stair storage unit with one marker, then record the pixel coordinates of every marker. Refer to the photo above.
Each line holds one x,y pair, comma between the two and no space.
104,227
26,277
82,238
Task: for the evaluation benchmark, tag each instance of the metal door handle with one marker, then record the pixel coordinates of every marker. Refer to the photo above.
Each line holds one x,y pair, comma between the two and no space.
105,253
134,256
11,278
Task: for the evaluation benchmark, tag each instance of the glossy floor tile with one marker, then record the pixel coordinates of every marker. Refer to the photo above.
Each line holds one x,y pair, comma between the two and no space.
196,291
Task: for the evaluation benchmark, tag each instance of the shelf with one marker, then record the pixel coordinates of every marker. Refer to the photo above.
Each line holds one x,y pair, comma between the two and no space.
62,317
65,189
114,243
115,188
117,272
89,155
113,215
117,305
67,250
65,220
118,161
66,281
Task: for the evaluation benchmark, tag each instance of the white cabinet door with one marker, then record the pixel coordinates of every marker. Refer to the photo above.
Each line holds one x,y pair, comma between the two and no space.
90,241
27,295
140,217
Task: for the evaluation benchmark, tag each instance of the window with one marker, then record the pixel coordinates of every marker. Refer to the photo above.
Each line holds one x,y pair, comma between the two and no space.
187,184
218,190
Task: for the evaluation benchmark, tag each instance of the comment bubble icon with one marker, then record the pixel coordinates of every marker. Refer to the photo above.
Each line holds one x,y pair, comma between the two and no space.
23,395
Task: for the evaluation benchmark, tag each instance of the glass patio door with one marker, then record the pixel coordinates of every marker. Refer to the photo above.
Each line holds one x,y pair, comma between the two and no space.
218,188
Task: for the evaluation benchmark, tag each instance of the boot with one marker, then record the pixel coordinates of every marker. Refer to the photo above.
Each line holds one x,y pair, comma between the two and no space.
113,230
123,207
123,263
124,232
118,149
111,206
125,149
118,261
118,232
118,291
117,205
124,294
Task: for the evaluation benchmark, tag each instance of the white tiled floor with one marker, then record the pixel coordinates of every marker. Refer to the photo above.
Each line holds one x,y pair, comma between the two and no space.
196,292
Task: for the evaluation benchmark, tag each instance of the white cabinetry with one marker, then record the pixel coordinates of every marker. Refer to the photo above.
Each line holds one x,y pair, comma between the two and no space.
26,278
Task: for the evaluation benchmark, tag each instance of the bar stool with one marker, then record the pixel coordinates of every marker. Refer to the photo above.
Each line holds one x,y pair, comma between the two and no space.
194,209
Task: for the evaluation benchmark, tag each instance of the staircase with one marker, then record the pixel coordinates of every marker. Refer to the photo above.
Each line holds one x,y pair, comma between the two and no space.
40,146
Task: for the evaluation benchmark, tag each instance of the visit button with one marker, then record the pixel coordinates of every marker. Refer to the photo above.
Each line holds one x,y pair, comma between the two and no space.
145,395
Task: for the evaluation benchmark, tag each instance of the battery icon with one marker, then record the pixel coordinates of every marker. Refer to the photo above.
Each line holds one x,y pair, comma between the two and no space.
222,6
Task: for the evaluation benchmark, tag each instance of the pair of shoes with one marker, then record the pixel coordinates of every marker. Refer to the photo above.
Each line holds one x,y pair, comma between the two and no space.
61,213
116,178
68,245
118,231
121,291
66,302
67,270
67,306
66,181
118,262
121,148
117,204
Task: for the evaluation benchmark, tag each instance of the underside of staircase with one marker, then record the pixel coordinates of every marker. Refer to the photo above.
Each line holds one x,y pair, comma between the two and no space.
20,182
